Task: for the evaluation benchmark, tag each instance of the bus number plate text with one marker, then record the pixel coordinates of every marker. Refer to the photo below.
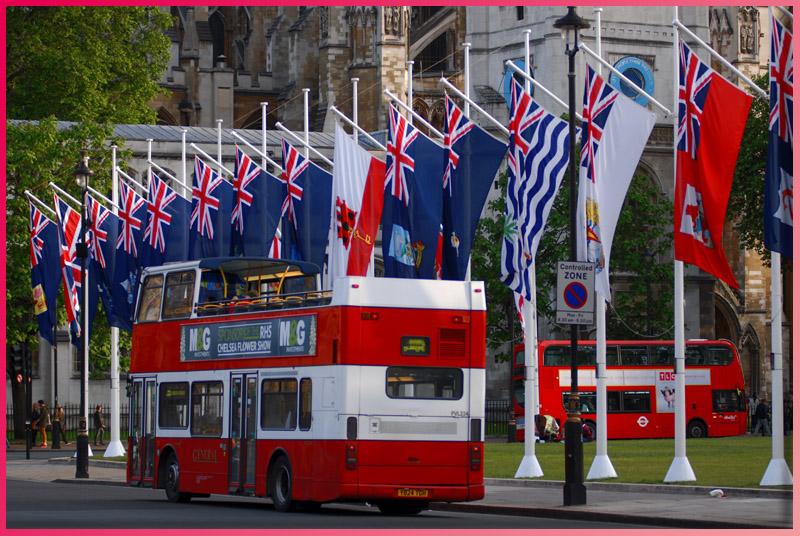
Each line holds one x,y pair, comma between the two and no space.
413,492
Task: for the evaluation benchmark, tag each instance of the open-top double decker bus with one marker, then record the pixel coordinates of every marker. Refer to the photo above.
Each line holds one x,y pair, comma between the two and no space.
246,379
641,387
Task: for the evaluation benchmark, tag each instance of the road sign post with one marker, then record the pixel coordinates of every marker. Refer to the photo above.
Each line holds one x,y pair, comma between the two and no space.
575,293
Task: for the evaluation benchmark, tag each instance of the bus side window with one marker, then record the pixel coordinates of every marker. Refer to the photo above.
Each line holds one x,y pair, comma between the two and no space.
695,356
634,355
179,295
305,404
613,401
150,306
207,409
279,404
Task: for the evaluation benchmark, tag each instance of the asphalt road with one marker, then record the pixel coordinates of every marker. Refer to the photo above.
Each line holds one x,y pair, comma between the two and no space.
94,506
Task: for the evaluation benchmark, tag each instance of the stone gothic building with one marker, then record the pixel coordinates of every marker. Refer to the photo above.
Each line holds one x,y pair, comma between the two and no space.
227,60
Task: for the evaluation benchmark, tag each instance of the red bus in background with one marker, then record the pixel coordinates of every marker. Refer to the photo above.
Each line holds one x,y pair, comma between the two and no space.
247,380
640,386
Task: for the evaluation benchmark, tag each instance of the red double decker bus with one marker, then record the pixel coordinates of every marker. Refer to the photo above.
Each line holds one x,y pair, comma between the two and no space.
641,387
247,380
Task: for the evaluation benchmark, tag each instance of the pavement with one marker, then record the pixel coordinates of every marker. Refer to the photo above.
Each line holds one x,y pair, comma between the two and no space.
679,506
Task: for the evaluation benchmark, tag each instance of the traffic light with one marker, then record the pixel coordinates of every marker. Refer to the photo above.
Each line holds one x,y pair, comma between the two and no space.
18,354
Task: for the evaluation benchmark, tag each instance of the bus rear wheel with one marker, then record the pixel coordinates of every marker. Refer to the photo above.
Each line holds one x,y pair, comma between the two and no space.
401,508
696,429
172,481
280,485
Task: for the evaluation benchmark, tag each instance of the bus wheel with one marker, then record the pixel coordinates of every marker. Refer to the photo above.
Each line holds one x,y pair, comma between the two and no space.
172,481
280,485
401,508
696,428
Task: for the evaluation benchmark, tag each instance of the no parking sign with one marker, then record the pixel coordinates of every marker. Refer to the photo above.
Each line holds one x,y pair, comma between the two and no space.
575,293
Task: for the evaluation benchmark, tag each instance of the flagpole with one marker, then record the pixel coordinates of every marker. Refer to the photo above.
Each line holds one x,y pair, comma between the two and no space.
681,469
305,143
777,473
219,145
183,156
265,159
468,274
444,81
354,80
305,120
361,131
601,465
529,466
263,135
115,447
410,73
433,130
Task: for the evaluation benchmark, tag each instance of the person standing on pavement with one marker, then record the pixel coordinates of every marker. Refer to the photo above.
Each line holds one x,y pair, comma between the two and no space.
99,426
762,419
44,422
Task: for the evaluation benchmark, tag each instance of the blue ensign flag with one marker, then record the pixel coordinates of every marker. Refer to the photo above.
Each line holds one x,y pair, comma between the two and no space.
212,204
412,200
45,271
166,237
778,188
132,215
473,158
257,201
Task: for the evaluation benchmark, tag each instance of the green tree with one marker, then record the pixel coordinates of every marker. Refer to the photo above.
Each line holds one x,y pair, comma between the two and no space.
93,66
98,64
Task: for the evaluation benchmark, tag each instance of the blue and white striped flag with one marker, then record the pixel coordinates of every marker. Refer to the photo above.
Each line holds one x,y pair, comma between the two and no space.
538,157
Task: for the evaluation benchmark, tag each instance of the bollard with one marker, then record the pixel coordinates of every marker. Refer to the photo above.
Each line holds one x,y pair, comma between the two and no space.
82,463
512,427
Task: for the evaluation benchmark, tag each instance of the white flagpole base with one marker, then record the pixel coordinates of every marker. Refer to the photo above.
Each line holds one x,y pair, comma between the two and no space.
529,468
114,449
777,474
90,452
680,471
601,468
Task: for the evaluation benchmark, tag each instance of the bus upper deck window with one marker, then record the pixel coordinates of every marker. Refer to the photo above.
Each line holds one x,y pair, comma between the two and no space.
150,305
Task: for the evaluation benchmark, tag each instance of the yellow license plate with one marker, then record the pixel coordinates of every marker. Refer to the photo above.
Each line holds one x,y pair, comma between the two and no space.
413,492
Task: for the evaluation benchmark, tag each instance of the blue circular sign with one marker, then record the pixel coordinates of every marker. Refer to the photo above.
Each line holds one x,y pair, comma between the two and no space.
575,295
511,74
636,72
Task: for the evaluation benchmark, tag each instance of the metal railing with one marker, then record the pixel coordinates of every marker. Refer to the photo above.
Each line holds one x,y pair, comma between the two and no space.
71,420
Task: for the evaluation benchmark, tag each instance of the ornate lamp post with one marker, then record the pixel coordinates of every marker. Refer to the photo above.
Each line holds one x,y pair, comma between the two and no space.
574,491
82,175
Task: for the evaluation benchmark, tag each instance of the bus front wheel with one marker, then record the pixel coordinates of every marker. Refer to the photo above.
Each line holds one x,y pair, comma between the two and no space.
280,485
172,481
696,428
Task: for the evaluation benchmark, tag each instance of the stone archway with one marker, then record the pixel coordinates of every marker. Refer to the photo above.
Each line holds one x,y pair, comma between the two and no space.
726,322
750,355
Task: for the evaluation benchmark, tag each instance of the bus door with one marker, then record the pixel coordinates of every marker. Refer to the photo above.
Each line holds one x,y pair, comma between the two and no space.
142,434
242,436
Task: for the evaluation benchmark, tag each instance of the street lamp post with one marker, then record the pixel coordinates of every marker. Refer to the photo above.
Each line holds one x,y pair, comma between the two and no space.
82,174
574,490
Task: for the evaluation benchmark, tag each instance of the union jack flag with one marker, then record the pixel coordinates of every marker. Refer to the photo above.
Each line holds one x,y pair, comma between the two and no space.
246,171
203,198
398,160
781,81
96,234
161,196
597,101
457,126
525,112
69,230
130,203
39,223
695,77
294,165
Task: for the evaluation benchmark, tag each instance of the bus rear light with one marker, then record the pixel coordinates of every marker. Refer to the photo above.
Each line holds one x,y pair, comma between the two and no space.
475,458
354,285
351,456
461,319
370,316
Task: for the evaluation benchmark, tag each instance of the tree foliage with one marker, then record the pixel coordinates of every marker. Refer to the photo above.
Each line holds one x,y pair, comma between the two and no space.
98,64
94,66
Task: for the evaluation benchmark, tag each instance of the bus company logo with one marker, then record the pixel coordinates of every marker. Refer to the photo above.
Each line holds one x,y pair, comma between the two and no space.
666,376
200,340
204,456
642,421
293,334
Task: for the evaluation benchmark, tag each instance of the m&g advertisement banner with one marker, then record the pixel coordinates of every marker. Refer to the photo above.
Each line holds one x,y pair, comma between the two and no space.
273,337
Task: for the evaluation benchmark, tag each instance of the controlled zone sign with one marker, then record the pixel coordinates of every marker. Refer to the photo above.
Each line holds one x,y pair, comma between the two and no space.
575,293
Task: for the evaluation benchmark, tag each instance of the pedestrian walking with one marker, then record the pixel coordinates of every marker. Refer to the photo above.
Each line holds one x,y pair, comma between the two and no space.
44,421
752,402
60,418
99,426
762,419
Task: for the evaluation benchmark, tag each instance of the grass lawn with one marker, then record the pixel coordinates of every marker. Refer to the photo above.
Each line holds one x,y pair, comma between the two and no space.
719,462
